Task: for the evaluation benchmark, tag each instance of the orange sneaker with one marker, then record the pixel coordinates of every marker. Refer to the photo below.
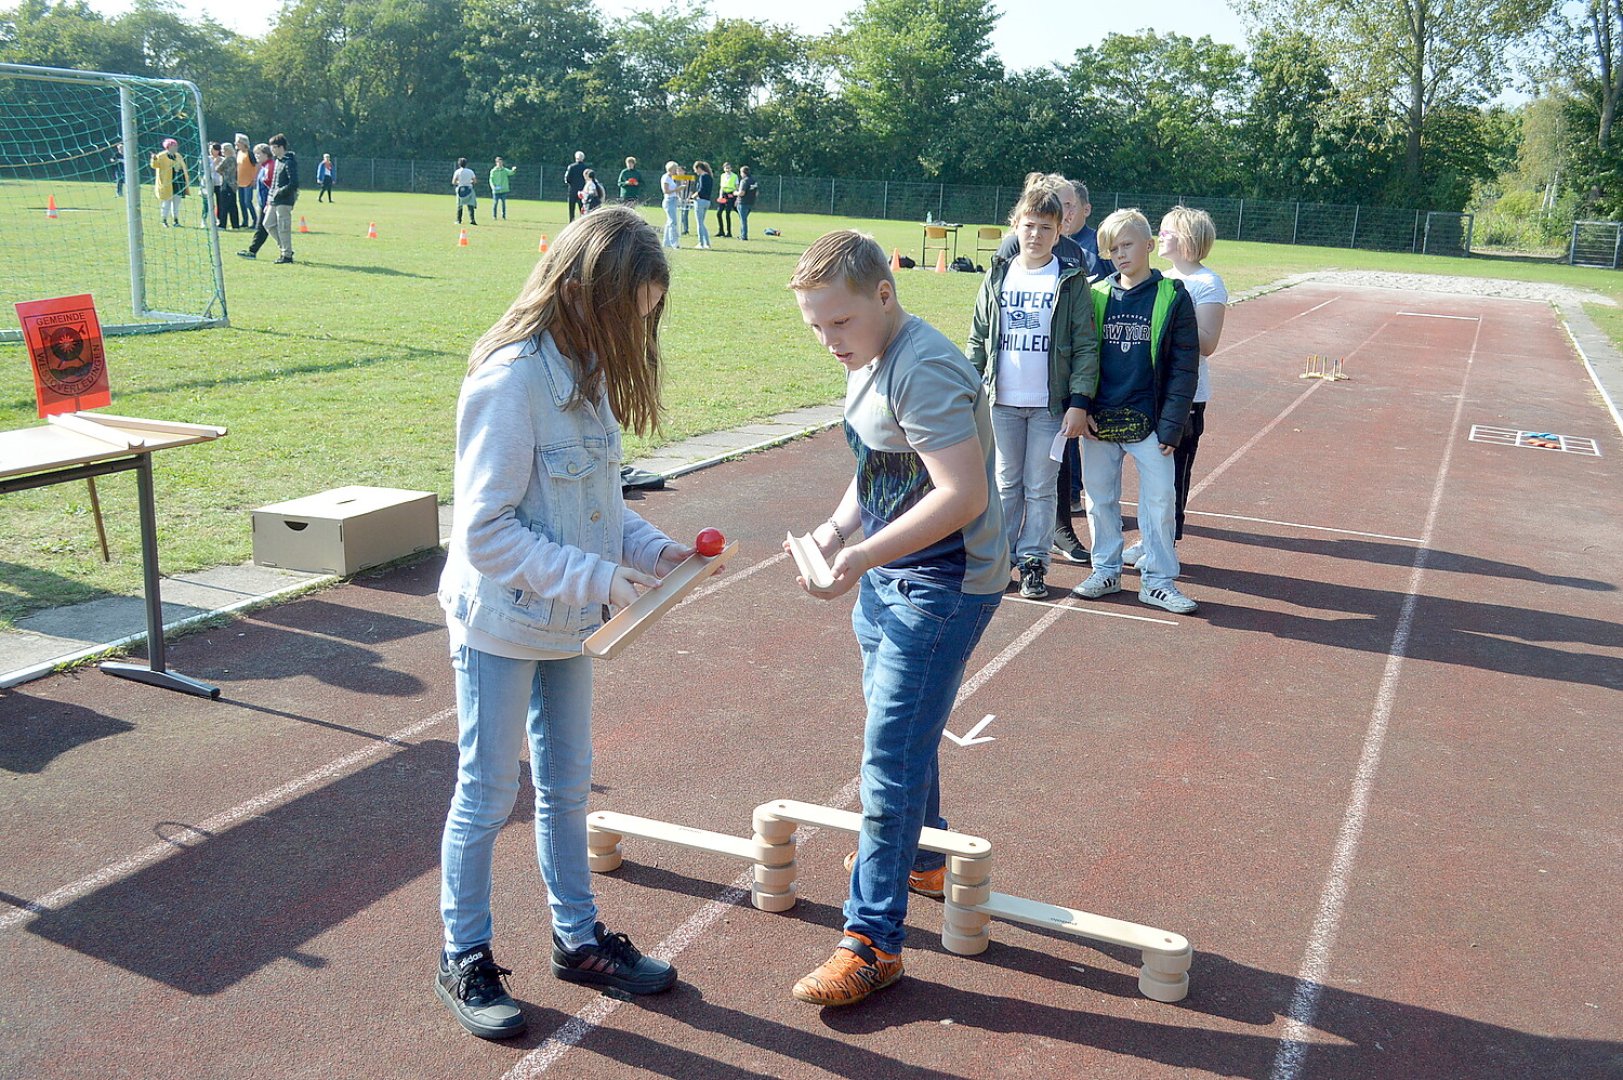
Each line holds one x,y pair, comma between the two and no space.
855,970
931,883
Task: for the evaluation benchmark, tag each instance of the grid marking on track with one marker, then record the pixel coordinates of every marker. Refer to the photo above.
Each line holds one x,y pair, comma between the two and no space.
1535,440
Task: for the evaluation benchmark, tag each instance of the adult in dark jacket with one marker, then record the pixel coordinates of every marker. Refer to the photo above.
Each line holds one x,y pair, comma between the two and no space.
575,181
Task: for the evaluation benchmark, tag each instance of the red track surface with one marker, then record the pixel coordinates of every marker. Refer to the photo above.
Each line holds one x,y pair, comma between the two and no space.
1385,765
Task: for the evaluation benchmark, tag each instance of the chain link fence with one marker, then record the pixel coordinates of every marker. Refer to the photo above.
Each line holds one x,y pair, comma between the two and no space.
1376,228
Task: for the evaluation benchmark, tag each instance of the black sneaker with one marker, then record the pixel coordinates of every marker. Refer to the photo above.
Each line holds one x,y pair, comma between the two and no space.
472,986
284,259
614,963
1032,586
1068,546
247,255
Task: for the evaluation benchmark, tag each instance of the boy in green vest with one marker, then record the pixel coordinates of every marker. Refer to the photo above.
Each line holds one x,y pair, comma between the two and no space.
1149,365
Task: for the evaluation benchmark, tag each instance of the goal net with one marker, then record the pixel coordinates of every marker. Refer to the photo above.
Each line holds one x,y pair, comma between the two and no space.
78,208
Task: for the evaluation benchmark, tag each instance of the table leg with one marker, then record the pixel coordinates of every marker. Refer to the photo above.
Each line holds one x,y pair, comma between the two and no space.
154,671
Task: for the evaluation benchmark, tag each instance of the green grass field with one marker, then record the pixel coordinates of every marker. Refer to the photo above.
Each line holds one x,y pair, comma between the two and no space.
344,368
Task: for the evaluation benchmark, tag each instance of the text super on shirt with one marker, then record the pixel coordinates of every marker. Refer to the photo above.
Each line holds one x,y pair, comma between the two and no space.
923,395
1027,304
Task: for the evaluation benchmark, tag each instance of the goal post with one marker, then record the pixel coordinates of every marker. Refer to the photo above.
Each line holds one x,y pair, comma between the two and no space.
78,211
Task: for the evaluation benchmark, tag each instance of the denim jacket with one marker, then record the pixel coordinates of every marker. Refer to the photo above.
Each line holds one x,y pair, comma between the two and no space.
539,523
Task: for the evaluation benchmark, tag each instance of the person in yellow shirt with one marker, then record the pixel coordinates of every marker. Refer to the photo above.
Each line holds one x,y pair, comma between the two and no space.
166,163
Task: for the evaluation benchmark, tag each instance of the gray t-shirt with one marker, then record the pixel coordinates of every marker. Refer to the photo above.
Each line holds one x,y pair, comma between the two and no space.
922,394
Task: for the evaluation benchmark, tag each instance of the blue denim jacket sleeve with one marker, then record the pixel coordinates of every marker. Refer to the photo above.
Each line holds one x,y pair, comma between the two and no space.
495,465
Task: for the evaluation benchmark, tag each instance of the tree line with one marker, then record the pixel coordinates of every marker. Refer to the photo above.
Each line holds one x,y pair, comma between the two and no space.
1347,101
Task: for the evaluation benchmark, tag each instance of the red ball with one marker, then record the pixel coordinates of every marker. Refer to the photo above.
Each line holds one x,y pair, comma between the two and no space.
710,542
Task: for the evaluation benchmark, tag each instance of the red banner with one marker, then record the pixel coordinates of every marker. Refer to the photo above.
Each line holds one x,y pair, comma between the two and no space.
63,337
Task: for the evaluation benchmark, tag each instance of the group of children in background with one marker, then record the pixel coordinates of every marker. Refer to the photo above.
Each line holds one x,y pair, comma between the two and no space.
543,542
1117,357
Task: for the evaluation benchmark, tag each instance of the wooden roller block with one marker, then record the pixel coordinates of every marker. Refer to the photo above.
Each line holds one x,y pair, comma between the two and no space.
1168,964
969,895
774,878
772,830
970,871
965,945
1158,987
628,624
603,862
773,901
964,921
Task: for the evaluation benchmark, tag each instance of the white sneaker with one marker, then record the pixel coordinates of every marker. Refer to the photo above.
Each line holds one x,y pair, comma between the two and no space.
1133,556
1166,597
1097,584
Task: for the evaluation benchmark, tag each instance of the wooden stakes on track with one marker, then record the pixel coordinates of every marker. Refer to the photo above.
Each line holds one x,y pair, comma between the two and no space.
1323,367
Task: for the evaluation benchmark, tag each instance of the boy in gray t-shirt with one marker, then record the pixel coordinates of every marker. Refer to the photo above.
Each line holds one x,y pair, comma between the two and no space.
919,535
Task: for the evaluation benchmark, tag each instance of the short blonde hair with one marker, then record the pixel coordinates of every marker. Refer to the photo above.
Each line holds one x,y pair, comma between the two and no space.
844,255
1121,221
1193,230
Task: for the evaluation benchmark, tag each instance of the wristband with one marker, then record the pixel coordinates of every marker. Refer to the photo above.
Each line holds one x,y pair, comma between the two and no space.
835,525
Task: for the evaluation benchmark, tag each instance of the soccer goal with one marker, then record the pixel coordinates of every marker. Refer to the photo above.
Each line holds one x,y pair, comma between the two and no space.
78,210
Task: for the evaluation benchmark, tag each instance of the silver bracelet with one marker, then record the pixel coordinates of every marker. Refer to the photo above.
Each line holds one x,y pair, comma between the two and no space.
837,531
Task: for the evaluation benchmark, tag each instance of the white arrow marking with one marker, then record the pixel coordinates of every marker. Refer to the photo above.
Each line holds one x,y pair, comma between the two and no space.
969,736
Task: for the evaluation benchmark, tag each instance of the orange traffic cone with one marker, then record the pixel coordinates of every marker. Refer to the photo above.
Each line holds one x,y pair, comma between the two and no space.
304,226
895,258
462,241
543,245
372,230
50,206
941,262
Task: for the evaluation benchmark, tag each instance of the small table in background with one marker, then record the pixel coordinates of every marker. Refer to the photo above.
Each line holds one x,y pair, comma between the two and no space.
78,446
948,229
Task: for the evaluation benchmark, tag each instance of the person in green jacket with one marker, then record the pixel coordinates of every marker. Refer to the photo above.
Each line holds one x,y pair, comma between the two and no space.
1033,340
1149,367
630,183
501,182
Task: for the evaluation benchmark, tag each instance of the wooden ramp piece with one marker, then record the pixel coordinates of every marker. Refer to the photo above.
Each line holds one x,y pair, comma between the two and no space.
1166,956
810,562
628,624
947,843
737,847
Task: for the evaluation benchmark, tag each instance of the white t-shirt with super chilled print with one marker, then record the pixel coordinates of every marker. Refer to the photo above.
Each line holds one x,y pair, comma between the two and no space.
1205,287
1027,302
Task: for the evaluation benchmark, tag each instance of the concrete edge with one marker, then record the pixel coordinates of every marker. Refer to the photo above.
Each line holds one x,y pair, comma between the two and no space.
1601,358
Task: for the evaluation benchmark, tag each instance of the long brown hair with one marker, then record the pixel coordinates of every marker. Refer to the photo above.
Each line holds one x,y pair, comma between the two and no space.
586,290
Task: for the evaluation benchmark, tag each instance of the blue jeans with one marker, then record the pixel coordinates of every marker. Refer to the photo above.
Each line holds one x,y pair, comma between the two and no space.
498,202
672,237
1027,478
744,221
916,638
245,203
701,207
499,700
1101,480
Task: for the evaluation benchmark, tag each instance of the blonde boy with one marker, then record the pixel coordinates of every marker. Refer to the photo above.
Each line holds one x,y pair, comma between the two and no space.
919,536
1149,360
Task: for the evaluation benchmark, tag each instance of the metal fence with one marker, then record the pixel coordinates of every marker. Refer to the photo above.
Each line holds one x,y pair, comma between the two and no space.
1377,228
1596,243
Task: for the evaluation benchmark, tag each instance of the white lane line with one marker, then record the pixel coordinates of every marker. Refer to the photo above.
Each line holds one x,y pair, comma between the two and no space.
1276,326
1309,988
592,1016
1212,476
221,821
722,581
1077,609
1429,315
1300,525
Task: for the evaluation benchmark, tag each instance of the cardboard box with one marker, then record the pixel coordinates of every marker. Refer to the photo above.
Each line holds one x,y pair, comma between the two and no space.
345,530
